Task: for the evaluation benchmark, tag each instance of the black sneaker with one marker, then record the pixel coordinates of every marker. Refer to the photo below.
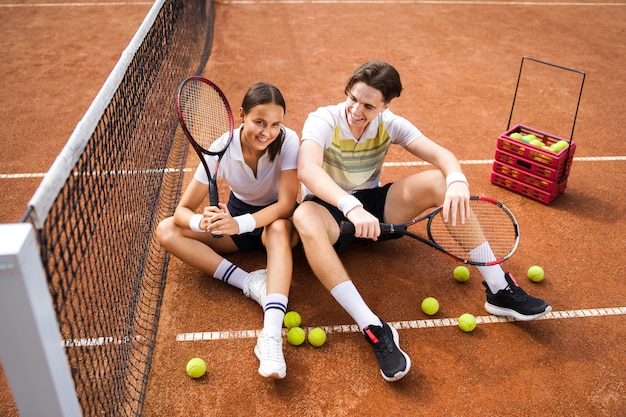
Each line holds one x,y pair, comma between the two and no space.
514,302
393,362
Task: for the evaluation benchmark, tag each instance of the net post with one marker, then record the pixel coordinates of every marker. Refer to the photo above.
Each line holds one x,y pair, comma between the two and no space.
31,348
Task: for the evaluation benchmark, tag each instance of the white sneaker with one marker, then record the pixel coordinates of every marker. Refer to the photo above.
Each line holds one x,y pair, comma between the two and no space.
269,350
256,287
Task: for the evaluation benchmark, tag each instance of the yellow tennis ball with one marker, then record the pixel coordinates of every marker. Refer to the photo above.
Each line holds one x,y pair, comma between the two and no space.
535,273
196,368
516,135
467,322
430,306
554,148
562,144
296,336
317,337
292,319
461,273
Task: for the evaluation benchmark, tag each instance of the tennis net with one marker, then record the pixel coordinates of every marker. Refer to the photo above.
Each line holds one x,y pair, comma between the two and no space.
95,212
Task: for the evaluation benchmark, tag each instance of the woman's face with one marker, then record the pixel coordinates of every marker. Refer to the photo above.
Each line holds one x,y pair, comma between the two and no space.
363,104
261,126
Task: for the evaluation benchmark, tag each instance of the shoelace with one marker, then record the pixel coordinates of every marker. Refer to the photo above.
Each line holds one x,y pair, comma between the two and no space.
270,346
517,292
382,345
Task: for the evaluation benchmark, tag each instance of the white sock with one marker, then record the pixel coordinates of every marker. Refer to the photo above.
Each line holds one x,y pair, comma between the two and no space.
275,309
493,275
231,274
349,298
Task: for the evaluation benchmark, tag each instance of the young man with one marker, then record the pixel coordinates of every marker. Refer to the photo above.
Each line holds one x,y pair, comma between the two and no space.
341,156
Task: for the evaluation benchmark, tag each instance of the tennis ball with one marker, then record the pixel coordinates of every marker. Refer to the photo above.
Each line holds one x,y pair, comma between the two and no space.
430,306
528,138
536,142
554,148
562,144
292,319
317,337
516,135
461,273
196,368
296,336
535,273
467,322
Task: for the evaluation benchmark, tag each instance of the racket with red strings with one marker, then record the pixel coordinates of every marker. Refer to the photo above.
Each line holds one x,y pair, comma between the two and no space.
205,115
489,236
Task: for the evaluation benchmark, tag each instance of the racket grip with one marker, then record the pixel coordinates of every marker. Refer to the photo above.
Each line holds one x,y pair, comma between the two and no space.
346,228
213,194
213,199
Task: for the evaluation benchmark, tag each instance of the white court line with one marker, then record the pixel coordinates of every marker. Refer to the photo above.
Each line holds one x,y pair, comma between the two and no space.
408,324
97,173
101,341
140,3
386,164
490,161
436,2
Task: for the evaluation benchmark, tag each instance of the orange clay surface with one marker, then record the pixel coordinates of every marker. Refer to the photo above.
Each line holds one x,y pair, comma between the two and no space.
459,64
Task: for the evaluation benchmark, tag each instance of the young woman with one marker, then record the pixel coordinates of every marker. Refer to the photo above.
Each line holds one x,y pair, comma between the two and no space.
260,168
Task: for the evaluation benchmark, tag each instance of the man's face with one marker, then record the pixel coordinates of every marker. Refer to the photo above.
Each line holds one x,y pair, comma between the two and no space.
363,104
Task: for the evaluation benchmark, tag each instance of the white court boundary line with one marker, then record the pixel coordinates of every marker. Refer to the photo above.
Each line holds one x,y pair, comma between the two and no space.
490,161
15,6
433,2
405,324
386,164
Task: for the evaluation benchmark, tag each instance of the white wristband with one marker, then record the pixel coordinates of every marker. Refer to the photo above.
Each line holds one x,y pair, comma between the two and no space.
347,203
456,177
194,222
246,223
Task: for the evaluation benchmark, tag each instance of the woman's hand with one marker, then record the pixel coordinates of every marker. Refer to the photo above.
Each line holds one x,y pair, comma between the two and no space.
219,220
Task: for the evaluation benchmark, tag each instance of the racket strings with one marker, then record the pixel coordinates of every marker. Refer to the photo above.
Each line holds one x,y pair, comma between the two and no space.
489,234
204,112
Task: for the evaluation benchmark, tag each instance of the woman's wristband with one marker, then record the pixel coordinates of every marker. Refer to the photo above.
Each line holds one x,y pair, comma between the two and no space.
456,177
194,222
246,223
347,203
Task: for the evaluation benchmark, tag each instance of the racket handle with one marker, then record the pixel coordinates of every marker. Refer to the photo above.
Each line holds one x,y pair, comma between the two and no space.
213,199
213,194
346,227
388,228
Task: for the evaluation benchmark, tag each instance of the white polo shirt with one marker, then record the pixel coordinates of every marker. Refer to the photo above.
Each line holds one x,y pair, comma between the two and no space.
261,190
356,163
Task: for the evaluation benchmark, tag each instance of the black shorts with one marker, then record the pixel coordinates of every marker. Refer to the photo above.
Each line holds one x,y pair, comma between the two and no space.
373,201
248,241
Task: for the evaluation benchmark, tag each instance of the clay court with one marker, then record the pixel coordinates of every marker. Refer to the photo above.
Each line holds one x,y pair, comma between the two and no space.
459,62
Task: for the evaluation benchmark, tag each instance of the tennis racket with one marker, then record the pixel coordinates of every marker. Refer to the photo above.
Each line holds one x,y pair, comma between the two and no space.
205,115
489,236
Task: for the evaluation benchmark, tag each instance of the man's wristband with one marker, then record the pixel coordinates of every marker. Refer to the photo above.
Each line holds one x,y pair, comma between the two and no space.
456,177
194,222
347,203
246,223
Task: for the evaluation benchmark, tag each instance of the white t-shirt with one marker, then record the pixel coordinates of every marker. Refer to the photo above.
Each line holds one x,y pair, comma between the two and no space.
356,164
261,190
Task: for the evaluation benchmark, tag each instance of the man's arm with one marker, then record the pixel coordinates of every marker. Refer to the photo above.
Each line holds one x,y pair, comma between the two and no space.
312,174
457,192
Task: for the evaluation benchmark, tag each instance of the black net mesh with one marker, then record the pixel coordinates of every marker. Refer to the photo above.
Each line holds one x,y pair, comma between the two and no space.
105,270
